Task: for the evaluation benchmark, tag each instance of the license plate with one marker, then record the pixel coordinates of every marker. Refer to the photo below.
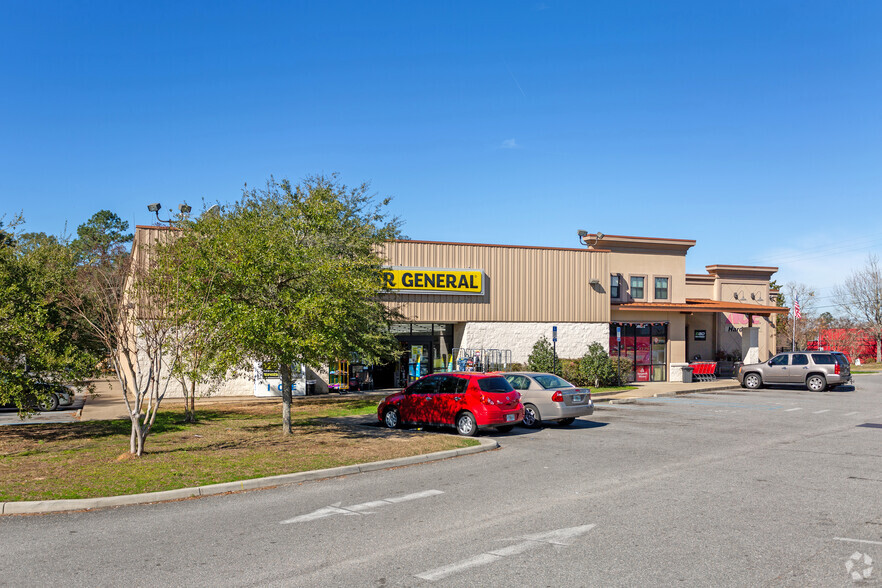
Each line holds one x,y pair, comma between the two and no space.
577,399
509,417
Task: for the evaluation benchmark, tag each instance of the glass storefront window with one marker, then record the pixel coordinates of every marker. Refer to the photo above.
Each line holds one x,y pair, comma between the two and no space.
645,346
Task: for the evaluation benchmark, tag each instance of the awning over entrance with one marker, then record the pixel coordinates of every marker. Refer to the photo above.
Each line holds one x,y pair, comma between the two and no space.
702,305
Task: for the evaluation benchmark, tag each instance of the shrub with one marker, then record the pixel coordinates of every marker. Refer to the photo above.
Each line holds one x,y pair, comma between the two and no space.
623,370
542,357
597,367
571,371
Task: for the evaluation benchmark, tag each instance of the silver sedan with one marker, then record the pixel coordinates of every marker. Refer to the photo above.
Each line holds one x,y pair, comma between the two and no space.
547,397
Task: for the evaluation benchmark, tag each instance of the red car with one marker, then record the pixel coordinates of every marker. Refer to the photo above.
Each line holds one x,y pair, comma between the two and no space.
468,401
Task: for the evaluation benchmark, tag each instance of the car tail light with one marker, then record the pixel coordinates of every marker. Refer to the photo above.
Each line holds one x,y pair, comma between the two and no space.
484,400
836,369
557,396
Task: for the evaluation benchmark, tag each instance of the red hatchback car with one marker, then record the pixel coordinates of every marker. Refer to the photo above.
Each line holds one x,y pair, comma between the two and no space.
466,400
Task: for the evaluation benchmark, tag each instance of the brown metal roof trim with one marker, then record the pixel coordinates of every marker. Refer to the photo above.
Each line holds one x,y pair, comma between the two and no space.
701,305
497,245
158,227
654,239
741,268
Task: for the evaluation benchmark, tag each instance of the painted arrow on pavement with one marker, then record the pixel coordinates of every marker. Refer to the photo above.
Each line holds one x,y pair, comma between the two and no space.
359,509
563,536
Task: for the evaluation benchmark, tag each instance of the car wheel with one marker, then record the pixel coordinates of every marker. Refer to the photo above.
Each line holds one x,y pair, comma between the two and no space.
531,416
752,381
566,422
466,425
50,404
816,383
505,428
391,418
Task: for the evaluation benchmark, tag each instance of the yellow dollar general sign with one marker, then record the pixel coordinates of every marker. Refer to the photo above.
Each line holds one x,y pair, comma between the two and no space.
434,280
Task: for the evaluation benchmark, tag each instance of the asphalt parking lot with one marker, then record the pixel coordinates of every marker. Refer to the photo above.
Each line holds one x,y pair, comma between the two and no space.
64,414
778,487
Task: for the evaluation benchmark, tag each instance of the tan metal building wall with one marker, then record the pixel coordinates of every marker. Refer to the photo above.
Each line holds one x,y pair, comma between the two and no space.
522,284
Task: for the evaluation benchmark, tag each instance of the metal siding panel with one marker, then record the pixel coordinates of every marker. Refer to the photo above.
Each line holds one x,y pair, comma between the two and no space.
528,285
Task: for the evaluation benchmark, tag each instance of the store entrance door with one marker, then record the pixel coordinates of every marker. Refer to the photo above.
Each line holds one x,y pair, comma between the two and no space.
425,349
417,356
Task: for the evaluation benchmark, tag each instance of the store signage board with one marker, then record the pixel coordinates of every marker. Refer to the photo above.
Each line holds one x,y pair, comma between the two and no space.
423,280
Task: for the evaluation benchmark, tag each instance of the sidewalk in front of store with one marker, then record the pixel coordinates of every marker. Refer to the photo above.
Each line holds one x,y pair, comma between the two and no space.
107,402
653,389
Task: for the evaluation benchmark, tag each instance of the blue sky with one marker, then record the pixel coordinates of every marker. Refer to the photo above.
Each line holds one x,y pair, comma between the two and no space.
753,127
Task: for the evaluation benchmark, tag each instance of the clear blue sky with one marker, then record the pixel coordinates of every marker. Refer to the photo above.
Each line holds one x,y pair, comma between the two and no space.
753,127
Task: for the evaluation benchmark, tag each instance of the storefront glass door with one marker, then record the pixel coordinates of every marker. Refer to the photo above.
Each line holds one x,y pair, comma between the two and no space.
644,345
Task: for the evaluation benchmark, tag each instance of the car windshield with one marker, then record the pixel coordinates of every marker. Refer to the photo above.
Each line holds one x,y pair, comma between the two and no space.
495,384
551,381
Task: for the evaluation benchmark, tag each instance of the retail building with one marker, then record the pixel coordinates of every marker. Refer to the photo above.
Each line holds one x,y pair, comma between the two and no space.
473,306
469,304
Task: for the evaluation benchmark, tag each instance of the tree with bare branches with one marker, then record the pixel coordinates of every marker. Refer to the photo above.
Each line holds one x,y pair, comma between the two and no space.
105,293
860,298
194,342
796,331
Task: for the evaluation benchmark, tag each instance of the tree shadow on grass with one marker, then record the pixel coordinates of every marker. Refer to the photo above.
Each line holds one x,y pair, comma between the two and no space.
166,422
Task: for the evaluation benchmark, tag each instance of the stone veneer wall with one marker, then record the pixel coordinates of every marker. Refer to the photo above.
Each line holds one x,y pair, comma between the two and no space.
573,339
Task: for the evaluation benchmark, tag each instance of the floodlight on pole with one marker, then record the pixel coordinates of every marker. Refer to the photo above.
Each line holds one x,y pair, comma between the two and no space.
585,235
183,208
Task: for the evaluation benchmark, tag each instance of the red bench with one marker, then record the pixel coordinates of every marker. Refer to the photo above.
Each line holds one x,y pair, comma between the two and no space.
704,371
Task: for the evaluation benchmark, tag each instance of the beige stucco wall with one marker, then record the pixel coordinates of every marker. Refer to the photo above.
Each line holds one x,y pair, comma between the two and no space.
704,349
651,265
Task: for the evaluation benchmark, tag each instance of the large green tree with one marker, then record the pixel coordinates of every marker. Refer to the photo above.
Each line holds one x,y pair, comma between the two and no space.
40,342
290,274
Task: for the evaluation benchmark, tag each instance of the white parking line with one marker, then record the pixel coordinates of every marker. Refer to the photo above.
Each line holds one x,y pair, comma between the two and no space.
359,509
821,411
557,537
791,409
857,540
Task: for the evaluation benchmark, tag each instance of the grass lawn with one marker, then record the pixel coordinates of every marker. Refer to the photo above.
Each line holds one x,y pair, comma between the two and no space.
612,389
230,442
866,368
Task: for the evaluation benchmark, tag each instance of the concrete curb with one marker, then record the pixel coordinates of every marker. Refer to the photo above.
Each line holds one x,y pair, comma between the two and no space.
50,506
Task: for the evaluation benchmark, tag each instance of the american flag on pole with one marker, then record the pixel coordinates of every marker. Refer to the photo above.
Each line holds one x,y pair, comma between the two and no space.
796,313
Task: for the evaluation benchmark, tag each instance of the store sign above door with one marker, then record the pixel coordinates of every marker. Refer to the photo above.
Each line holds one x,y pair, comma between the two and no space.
421,280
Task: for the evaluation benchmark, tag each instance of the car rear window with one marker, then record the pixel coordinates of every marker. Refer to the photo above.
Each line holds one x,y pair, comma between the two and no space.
551,381
494,384
823,359
842,359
